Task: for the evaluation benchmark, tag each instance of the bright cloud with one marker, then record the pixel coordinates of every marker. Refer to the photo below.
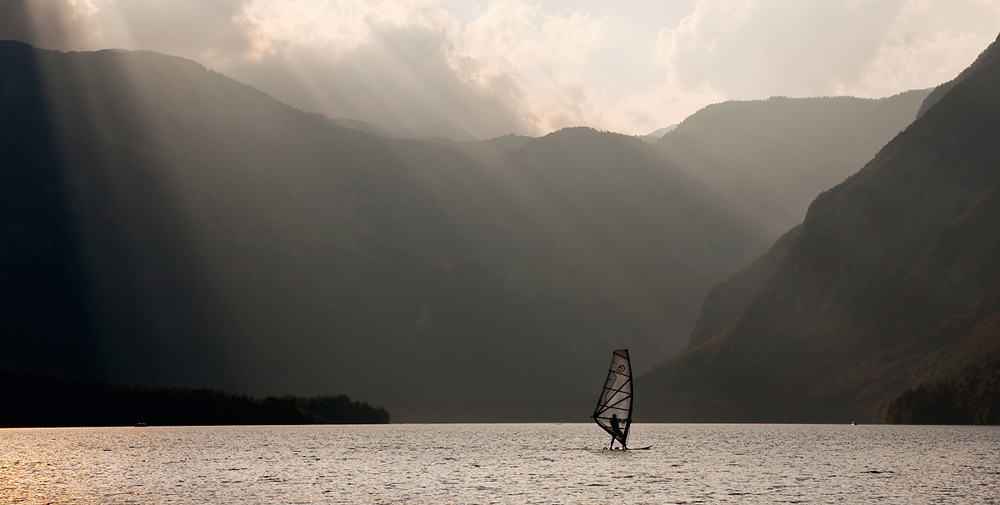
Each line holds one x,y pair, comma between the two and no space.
753,49
759,48
340,25
542,54
532,66
513,55
928,43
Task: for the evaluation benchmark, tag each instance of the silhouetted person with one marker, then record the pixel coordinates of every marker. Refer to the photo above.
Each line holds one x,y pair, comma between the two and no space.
617,431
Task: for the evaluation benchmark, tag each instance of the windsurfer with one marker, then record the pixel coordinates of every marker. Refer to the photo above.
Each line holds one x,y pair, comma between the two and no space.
614,407
617,431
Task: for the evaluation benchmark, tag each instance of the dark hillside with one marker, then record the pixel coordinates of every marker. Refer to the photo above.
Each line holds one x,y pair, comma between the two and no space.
984,58
971,396
728,300
31,401
893,282
165,225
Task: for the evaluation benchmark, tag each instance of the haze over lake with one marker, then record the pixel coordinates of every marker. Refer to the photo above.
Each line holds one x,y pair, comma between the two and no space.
502,463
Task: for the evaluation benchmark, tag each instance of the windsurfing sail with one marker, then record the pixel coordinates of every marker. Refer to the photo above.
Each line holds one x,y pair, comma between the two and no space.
614,408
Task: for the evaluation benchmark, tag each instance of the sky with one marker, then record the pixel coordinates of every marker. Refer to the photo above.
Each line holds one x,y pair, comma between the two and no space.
493,67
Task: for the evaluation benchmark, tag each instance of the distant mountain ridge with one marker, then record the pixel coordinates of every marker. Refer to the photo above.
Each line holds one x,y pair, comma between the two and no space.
893,281
359,125
658,134
773,157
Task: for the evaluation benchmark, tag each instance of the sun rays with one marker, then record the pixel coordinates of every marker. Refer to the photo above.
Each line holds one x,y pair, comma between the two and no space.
532,67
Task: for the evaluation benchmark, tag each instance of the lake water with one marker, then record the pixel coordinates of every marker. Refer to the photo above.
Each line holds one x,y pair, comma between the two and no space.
501,463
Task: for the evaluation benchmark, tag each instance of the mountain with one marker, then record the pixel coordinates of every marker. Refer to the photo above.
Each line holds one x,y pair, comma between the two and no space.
488,151
356,124
440,130
729,299
613,227
892,282
658,134
773,157
164,225
937,93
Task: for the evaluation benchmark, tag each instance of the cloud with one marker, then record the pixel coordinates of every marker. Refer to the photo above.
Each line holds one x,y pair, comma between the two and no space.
400,78
397,64
532,66
340,25
212,32
543,55
50,24
929,42
660,105
756,49
403,64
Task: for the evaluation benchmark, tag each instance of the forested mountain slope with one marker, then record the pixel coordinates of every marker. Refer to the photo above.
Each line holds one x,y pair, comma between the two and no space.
893,281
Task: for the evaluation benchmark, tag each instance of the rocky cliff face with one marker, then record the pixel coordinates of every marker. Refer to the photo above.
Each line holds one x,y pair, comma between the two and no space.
894,280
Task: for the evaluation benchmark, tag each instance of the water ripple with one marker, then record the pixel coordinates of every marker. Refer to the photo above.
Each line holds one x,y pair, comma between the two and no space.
501,463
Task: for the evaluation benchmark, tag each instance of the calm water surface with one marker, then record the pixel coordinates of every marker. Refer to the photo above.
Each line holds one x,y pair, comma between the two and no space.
501,463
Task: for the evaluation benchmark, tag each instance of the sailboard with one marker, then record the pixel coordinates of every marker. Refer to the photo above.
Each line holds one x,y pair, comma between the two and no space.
614,407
